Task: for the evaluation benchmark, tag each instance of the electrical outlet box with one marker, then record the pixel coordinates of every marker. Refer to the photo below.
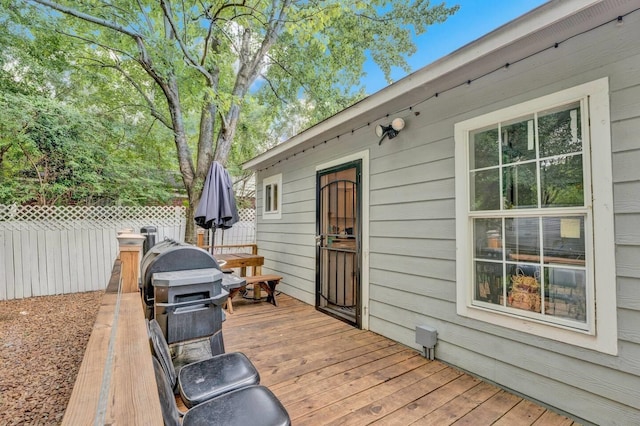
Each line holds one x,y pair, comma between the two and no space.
426,336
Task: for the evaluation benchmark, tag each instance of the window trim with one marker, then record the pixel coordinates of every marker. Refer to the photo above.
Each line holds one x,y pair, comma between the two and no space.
274,181
603,336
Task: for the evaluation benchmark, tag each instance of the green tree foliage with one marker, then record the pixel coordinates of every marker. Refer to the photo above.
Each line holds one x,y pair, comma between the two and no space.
196,65
64,139
54,154
558,155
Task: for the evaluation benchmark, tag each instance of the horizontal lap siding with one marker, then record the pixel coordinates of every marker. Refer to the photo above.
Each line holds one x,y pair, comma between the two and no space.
287,243
610,386
625,119
427,248
625,127
412,230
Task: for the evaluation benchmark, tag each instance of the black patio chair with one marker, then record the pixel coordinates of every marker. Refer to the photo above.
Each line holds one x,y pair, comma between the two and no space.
202,380
253,405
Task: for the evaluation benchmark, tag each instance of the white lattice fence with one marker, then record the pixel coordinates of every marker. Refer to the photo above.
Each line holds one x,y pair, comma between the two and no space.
48,250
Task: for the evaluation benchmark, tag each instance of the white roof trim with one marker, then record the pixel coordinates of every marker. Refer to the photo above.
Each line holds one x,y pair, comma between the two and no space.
533,21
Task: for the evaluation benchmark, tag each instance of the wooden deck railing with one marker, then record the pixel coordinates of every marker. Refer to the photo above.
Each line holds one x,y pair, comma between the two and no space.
226,248
116,382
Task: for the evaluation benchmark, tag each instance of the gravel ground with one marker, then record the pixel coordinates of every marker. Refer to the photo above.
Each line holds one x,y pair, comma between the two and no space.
42,342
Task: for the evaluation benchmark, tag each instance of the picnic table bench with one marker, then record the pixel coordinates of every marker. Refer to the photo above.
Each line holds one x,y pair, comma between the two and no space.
267,283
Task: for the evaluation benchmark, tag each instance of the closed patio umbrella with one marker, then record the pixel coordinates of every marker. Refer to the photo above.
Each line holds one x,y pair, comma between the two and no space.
217,208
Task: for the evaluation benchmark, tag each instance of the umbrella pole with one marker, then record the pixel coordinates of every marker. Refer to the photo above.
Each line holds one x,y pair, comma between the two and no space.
213,239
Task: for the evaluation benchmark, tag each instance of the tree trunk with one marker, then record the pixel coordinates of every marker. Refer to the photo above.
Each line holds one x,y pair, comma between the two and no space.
225,137
203,163
190,228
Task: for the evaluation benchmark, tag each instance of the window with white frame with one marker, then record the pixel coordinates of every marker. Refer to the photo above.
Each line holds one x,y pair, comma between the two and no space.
528,233
271,198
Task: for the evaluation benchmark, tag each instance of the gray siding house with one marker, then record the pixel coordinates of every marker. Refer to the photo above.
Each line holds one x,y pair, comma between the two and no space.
493,196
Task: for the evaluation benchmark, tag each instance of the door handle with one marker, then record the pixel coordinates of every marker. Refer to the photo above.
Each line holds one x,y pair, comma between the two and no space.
319,240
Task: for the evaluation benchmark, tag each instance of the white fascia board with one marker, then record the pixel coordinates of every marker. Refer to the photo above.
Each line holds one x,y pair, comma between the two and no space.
535,20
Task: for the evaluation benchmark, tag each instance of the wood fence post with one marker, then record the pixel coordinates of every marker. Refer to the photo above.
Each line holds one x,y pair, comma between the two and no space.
200,237
130,245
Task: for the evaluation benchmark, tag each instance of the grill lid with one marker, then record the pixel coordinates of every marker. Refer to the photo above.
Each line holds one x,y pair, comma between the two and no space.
169,256
186,277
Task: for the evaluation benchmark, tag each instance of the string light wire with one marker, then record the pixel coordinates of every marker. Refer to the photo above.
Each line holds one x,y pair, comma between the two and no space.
618,20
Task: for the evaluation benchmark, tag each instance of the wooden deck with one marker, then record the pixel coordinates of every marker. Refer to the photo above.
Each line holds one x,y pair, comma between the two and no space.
327,372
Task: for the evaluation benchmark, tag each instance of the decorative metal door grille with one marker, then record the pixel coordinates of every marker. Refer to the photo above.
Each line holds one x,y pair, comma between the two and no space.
338,281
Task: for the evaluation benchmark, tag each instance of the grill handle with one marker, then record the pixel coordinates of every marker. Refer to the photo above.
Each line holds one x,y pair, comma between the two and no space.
217,300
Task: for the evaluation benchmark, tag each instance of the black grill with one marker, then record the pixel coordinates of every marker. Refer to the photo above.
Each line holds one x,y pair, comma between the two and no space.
188,303
170,256
183,289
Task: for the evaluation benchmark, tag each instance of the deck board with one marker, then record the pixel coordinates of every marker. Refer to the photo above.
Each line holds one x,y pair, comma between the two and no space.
491,410
525,413
386,397
459,406
327,372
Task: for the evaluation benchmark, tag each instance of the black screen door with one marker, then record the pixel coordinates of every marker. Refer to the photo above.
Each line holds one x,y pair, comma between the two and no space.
338,239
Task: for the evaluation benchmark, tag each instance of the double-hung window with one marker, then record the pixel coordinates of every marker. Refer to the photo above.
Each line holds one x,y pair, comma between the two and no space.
534,222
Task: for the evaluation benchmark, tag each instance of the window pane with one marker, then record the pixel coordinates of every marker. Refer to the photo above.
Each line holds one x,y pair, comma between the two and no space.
484,148
566,293
487,237
561,181
564,240
520,186
267,198
523,238
518,140
488,282
560,130
275,198
524,288
485,190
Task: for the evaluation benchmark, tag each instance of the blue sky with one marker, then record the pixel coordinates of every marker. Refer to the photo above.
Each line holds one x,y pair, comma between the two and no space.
474,19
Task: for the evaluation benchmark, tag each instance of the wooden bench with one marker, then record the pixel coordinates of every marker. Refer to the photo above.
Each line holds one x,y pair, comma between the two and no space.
267,283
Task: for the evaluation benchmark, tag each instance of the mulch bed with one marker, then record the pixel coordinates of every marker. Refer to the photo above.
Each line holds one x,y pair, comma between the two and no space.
42,342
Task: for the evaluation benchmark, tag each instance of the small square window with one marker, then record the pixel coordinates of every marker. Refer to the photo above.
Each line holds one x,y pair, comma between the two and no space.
272,206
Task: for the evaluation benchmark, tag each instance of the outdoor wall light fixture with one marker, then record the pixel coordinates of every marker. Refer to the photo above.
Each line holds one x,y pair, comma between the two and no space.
390,131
